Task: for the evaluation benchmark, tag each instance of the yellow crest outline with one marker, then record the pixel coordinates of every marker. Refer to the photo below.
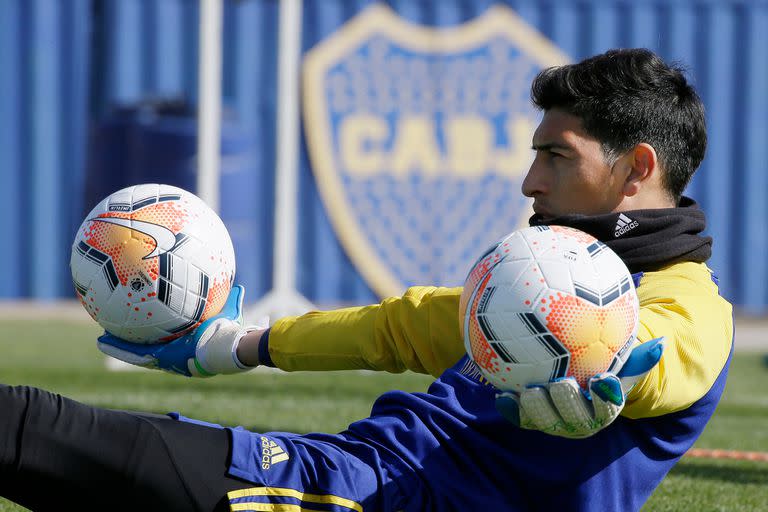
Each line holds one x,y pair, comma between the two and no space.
381,20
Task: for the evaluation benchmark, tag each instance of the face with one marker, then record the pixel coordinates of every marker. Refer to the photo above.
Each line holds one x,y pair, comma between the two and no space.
569,173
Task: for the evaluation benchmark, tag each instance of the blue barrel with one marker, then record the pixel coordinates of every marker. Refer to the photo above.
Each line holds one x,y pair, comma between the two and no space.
165,150
109,156
153,141
156,142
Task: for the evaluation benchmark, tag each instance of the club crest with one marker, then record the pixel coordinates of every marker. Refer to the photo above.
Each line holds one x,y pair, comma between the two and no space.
419,138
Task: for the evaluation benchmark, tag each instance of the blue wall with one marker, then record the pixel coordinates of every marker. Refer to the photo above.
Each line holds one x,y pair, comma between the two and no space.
66,62
43,91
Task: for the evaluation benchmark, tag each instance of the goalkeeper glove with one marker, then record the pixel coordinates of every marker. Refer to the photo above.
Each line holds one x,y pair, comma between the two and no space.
561,408
206,351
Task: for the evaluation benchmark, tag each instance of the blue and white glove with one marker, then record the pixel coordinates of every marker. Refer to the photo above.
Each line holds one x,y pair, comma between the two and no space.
206,351
561,408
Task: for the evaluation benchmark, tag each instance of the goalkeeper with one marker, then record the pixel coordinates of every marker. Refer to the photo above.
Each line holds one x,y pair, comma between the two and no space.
621,132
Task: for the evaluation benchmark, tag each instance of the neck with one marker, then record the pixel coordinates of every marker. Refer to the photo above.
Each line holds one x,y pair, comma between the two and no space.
656,237
645,202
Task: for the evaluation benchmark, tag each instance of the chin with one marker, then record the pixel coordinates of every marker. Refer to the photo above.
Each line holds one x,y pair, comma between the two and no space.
545,215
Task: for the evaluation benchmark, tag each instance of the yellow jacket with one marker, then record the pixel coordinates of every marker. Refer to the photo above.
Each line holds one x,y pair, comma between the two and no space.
420,332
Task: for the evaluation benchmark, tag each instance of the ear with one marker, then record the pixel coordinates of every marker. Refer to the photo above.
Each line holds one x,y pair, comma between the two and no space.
641,164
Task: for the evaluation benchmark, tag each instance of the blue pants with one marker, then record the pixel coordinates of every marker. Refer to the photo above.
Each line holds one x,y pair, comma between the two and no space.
333,472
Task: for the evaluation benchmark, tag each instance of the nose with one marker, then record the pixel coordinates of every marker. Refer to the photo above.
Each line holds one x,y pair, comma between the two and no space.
534,182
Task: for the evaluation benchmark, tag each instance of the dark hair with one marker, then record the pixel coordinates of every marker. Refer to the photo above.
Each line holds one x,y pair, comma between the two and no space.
625,97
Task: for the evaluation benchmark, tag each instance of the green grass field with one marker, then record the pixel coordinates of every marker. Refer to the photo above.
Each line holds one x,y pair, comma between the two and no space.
61,357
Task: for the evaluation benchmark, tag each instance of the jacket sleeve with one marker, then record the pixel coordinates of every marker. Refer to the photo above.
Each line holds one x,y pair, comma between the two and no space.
683,305
418,331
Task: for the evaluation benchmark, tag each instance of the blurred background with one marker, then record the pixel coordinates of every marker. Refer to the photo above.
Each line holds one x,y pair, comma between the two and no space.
352,148
96,95
403,126
406,126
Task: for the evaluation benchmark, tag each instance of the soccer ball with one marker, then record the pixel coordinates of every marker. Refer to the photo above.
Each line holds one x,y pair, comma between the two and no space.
151,262
548,302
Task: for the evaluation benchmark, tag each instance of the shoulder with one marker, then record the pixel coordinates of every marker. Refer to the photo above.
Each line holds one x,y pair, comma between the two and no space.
682,303
678,278
684,300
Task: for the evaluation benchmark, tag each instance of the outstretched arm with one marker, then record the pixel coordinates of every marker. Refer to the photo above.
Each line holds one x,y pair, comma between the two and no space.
418,331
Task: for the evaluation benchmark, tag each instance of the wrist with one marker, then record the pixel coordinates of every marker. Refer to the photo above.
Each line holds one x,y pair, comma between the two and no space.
247,349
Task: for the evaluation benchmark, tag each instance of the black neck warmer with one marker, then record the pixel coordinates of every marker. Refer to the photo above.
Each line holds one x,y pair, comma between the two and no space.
646,239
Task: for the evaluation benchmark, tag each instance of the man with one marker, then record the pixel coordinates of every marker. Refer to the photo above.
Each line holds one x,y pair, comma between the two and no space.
622,134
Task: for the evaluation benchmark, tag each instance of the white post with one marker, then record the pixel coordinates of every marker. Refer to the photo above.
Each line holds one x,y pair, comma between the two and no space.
284,299
209,102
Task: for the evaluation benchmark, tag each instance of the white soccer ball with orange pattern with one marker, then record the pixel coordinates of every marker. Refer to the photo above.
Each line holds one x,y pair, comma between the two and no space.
151,262
545,303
